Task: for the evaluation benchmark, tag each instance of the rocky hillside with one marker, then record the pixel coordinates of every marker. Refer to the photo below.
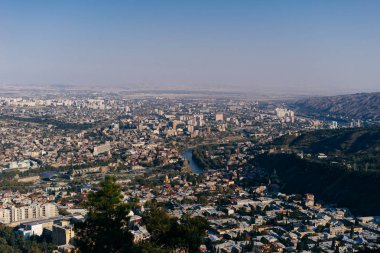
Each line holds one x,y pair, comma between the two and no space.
358,106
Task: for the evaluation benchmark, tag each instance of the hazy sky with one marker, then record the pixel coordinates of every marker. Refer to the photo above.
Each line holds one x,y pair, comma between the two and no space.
263,45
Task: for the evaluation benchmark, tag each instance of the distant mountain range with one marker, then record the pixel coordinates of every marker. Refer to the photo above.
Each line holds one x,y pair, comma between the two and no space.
357,106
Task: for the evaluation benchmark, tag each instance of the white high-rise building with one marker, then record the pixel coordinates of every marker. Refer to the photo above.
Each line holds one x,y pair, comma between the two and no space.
280,112
334,125
285,114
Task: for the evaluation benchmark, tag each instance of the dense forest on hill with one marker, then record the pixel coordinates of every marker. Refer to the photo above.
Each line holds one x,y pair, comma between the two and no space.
358,146
357,190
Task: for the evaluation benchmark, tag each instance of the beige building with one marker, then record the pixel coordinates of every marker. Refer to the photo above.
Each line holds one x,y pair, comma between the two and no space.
63,232
34,211
102,149
219,117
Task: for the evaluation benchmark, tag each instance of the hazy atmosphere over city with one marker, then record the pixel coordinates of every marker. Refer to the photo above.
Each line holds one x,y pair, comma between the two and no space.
296,46
189,126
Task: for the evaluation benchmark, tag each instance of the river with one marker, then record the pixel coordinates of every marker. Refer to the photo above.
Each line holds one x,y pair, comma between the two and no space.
188,154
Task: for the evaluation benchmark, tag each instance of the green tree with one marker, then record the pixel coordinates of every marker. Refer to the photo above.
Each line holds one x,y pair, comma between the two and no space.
170,233
10,242
62,211
106,226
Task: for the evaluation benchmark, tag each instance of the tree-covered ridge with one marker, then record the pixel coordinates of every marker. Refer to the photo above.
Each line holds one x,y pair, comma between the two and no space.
357,190
359,146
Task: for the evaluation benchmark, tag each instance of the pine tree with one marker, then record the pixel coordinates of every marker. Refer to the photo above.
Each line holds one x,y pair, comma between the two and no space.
105,228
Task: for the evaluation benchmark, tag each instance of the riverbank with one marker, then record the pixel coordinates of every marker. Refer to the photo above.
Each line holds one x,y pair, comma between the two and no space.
188,155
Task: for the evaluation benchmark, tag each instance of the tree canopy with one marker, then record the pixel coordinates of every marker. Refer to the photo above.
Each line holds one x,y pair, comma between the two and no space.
106,226
171,233
10,242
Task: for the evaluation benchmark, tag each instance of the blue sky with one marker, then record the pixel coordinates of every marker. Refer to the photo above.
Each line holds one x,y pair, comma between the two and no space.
265,46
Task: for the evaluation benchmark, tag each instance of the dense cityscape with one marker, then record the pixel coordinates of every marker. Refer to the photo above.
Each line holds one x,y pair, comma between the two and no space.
188,155
198,126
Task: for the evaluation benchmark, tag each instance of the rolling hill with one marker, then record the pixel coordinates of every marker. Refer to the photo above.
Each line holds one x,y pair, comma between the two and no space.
349,176
358,106
357,190
359,146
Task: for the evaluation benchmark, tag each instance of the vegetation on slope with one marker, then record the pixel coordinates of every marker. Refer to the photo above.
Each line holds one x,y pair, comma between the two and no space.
359,146
357,190
359,106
